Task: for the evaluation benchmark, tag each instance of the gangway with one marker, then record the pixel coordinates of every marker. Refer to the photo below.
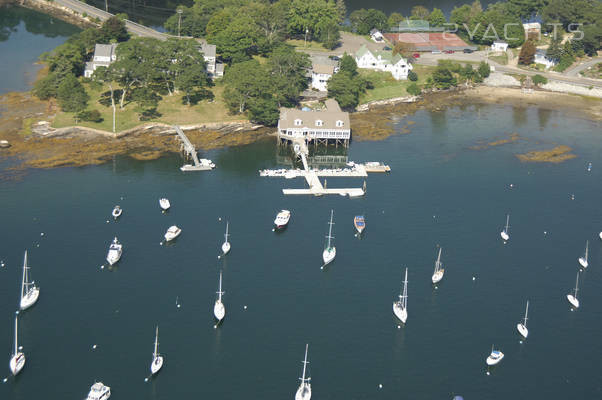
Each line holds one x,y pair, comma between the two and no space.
188,148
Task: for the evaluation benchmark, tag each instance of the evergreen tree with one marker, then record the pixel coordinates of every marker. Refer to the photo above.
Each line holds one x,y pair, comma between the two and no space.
527,53
71,95
436,18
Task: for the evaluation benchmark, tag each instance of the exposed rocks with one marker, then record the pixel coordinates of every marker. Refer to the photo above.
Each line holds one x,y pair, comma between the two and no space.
498,79
556,155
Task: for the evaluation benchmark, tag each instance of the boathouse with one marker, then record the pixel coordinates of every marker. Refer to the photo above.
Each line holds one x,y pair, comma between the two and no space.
328,125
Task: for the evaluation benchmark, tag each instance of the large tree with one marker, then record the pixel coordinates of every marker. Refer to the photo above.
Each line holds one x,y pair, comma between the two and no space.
71,95
436,18
238,40
527,53
287,69
244,81
113,29
363,21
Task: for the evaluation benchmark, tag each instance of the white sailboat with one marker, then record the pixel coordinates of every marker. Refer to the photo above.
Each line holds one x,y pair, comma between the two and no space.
17,361
304,391
219,310
495,357
438,274
583,260
400,307
504,234
226,244
522,326
29,291
573,298
157,359
115,251
330,251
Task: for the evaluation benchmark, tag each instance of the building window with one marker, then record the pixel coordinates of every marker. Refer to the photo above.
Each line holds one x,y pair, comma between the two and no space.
319,123
298,122
339,123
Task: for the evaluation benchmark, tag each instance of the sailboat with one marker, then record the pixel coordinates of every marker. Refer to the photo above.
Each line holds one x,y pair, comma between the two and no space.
157,359
583,260
504,234
495,357
29,291
219,310
438,274
226,244
573,298
329,252
17,361
304,391
522,326
400,307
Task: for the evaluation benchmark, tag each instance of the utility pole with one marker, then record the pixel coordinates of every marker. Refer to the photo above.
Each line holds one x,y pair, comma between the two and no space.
179,20
107,5
305,41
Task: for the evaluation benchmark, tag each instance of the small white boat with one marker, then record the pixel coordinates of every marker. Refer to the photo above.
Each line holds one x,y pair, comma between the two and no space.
439,271
226,244
282,219
572,298
172,233
583,260
600,235
115,251
17,360
99,391
504,234
360,223
157,359
117,212
304,390
522,326
29,291
330,251
495,357
400,307
164,204
219,310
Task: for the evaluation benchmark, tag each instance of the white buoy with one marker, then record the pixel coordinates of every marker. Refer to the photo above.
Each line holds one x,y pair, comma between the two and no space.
145,379
398,326
214,326
380,385
219,219
218,257
42,234
38,245
488,373
102,267
94,346
245,307
473,278
178,306
107,221
20,347
121,197
545,232
5,379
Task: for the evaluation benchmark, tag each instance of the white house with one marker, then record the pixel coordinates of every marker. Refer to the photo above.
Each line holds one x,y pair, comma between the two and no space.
376,36
331,123
540,58
383,61
499,45
214,69
104,55
320,74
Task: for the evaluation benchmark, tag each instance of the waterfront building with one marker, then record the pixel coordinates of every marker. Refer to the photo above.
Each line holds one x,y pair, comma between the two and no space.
330,124
320,74
104,55
541,58
214,69
382,60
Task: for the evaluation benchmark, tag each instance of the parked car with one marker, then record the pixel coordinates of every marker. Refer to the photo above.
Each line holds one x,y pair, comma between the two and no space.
436,52
416,55
449,52
387,48
468,51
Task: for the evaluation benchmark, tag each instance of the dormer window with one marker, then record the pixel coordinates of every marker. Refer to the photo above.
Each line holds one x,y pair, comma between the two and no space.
339,123
319,122
298,122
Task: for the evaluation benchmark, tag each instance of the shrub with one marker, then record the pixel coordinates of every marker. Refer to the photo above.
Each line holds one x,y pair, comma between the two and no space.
413,89
539,80
90,115
413,76
85,14
484,69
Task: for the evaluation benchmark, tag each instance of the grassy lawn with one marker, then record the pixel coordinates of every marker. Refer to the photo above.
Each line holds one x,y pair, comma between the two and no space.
301,45
171,108
501,59
385,87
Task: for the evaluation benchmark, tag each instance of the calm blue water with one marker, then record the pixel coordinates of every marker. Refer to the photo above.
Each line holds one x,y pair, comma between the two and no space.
24,35
439,192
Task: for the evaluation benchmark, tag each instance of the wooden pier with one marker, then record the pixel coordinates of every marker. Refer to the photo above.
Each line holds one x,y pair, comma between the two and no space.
190,151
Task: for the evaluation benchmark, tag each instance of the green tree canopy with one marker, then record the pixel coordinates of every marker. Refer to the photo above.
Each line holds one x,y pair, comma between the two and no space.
436,18
363,21
71,95
527,53
113,29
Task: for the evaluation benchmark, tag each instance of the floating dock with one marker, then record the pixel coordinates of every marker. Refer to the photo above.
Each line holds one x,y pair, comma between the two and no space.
188,148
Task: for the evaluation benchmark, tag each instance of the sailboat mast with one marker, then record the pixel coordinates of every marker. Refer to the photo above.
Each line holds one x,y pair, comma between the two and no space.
220,287
577,284
330,228
16,336
586,249
226,235
304,364
507,222
156,342
438,263
24,281
526,312
405,290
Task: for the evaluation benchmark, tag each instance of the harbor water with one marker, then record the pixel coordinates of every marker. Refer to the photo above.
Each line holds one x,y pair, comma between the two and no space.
441,192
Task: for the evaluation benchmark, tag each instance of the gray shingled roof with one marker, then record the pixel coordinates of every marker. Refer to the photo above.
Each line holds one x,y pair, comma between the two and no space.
329,118
323,69
104,50
207,49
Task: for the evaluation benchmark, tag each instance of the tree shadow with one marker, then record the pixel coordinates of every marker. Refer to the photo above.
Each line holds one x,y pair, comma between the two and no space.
198,96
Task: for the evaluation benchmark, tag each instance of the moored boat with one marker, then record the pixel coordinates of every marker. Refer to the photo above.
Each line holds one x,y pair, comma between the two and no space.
164,204
17,360
495,357
172,233
360,223
400,307
583,260
115,251
99,391
29,291
226,245
522,326
157,358
117,212
219,310
330,251
304,390
504,233
282,219
572,297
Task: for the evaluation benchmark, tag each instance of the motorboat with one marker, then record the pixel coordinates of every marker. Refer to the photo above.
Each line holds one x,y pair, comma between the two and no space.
29,291
172,233
17,360
157,362
117,212
583,260
226,245
304,390
572,297
99,391
522,326
504,234
400,307
219,310
439,271
495,357
282,219
330,251
115,250
164,204
360,223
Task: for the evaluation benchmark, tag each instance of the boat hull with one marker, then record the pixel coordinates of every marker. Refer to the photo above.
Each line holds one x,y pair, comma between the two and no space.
171,234
505,236
156,365
30,298
583,262
328,255
360,224
16,364
282,219
164,204
116,213
600,235
113,257
304,392
573,300
437,276
226,247
400,312
522,329
219,311
495,360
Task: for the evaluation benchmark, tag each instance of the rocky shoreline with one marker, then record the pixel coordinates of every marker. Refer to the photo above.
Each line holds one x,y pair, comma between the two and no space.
51,8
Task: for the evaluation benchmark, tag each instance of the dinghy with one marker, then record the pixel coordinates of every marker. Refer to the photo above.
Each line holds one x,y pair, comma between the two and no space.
117,212
360,223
